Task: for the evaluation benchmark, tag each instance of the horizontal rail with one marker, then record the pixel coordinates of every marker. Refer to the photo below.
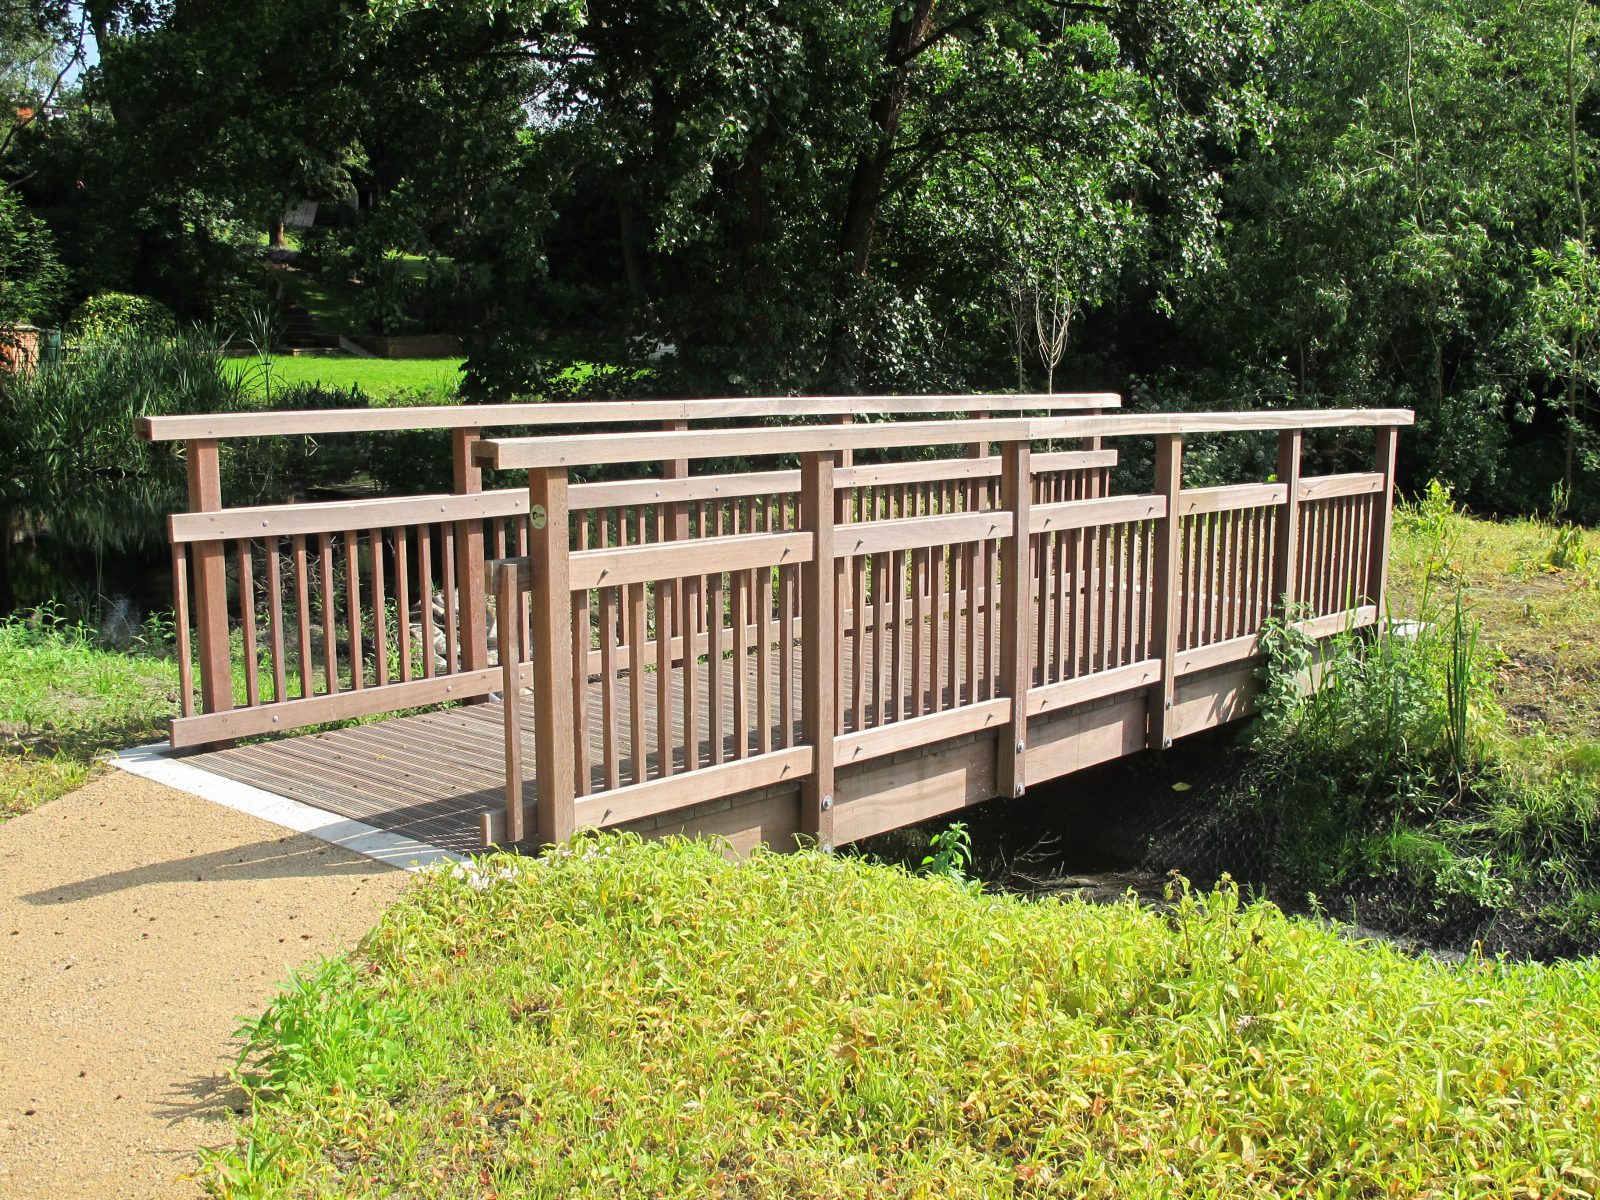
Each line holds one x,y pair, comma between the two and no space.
535,452
1219,654
672,560
488,416
1082,514
1327,487
657,796
913,533
335,516
867,744
205,728
1195,501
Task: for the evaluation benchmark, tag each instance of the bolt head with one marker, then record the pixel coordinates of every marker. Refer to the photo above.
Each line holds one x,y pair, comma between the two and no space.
1020,789
827,847
827,803
1019,747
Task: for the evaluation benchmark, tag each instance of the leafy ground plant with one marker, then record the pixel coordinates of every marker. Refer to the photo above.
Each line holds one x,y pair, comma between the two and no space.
623,1019
65,702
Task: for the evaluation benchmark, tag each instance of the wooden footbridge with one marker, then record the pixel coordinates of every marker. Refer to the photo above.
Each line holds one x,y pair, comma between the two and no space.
941,603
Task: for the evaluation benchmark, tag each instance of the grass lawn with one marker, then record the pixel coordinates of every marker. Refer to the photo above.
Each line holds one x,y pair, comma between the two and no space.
65,704
652,1020
1541,624
384,380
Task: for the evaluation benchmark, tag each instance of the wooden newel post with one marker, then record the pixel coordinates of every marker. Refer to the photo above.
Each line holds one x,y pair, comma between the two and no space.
1382,524
1286,546
1016,608
819,708
210,581
472,606
550,629
1166,584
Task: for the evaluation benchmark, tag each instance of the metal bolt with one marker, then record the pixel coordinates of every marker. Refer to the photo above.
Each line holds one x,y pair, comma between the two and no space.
1166,743
1019,747
827,847
1020,789
1169,704
827,803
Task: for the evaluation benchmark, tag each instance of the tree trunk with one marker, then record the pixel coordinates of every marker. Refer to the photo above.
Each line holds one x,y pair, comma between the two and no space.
632,268
906,34
275,236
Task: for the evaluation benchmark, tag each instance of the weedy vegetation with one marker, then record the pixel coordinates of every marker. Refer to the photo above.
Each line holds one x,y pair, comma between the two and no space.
1414,788
623,1019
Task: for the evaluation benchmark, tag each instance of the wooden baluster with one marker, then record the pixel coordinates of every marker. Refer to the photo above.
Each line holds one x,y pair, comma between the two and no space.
276,621
690,618
210,581
858,640
739,603
472,605
330,634
1041,552
716,687
553,668
897,640
937,626
507,599
180,621
402,599
610,751
247,616
452,626
637,637
970,565
1169,485
352,582
1015,489
663,608
919,634
581,627
763,600
787,590
820,647
425,598
302,593
1286,549
380,608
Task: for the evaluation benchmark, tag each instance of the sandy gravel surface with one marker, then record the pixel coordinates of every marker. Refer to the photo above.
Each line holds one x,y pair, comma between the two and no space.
137,924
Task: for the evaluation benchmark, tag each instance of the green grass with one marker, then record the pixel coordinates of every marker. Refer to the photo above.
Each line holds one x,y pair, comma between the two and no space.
65,704
652,1020
384,380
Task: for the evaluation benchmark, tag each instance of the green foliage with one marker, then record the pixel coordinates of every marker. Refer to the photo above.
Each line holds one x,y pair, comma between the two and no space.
950,855
31,276
119,316
627,1019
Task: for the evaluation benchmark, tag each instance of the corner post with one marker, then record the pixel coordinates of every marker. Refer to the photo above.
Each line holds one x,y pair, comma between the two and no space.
508,597
550,633
1166,585
1016,642
472,606
819,646
1286,545
210,580
1383,523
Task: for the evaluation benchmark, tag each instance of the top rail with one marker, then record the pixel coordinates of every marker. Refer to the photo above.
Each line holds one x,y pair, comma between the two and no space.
502,453
487,416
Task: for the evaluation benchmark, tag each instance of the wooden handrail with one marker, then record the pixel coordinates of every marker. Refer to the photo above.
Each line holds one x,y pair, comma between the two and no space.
595,448
487,416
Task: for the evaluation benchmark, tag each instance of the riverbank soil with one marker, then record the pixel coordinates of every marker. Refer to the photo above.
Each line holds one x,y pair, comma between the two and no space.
137,926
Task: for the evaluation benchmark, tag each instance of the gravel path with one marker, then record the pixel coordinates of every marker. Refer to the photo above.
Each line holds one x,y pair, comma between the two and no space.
137,924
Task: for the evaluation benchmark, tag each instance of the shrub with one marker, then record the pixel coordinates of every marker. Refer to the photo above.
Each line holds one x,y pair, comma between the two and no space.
111,316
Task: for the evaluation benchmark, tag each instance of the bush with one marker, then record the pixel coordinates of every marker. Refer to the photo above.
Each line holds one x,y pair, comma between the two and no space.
109,316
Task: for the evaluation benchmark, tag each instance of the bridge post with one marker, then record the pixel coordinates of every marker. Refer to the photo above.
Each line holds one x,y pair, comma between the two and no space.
819,642
210,580
471,607
1383,524
550,633
1016,490
508,596
1165,586
1286,548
